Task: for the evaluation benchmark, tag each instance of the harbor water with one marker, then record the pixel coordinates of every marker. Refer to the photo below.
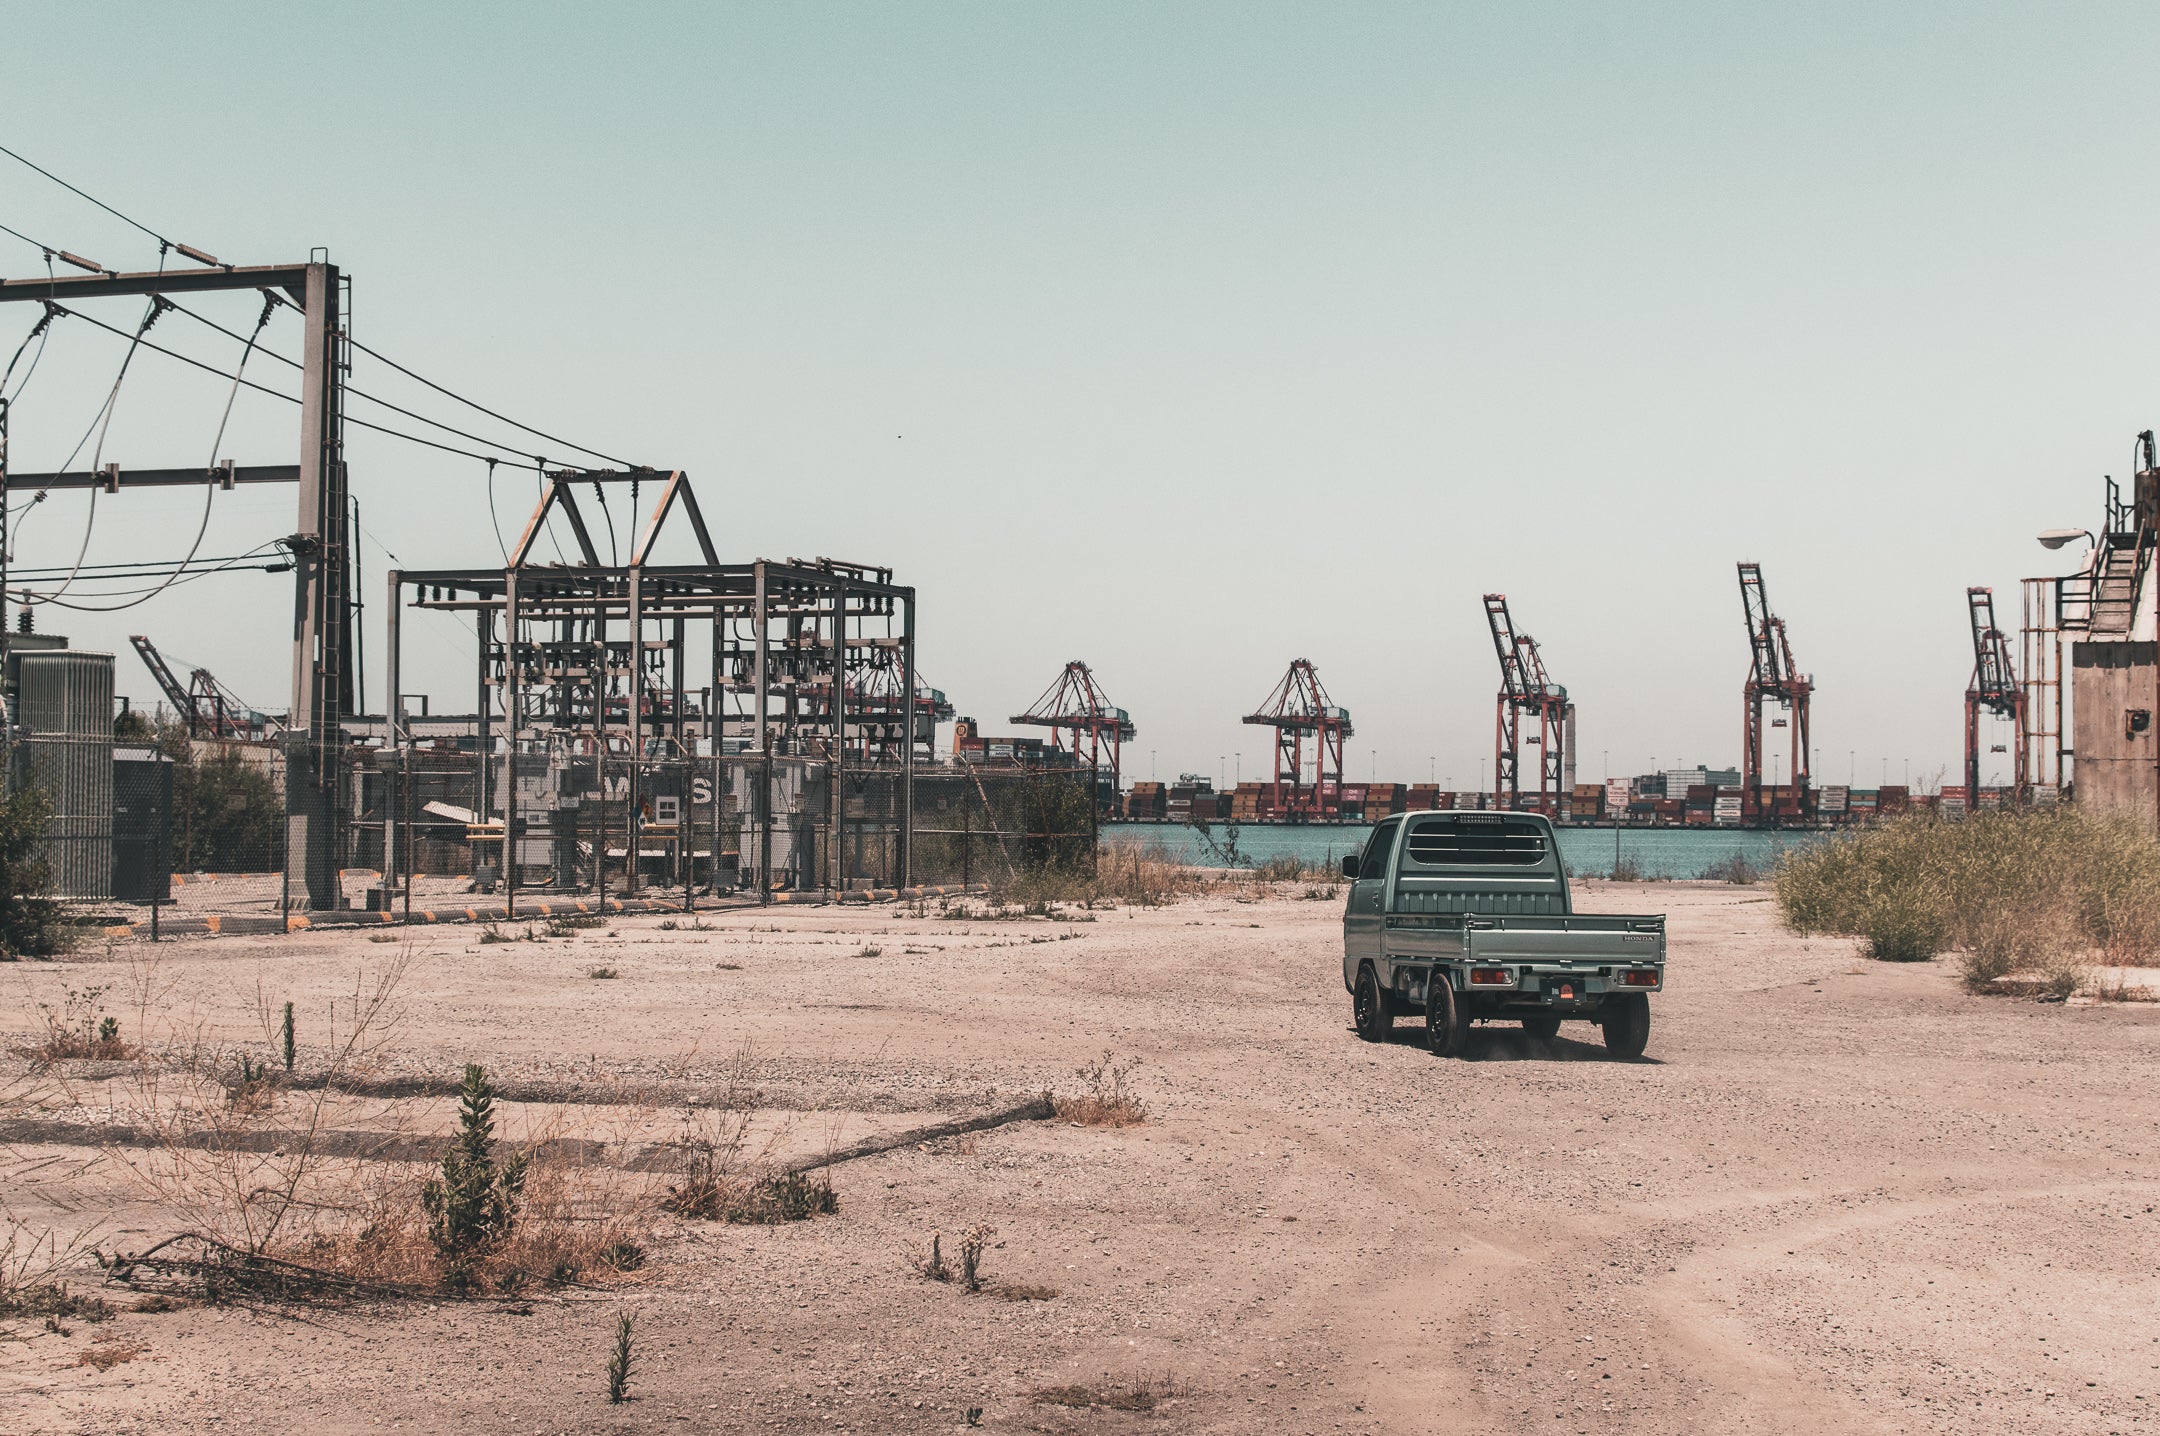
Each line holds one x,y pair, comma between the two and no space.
1588,852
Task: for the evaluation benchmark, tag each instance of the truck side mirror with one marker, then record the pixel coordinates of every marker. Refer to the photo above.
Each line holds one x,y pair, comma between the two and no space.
1349,867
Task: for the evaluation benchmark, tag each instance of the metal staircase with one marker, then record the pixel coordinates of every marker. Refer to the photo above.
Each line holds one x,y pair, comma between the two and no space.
2116,579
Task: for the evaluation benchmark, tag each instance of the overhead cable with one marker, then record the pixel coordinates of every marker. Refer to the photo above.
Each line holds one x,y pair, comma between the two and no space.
292,399
163,242
450,394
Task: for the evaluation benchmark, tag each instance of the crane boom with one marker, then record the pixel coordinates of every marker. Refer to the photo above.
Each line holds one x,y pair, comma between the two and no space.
1773,677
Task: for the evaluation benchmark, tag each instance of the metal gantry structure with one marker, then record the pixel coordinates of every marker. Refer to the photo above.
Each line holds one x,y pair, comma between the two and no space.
1527,691
1772,678
323,672
202,702
1300,712
1995,689
1075,705
584,663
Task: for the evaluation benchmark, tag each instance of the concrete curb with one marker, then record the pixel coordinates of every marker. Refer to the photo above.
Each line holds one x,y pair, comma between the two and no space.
533,910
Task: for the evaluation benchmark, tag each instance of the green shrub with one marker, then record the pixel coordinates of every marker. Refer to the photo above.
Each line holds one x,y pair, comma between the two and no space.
2016,891
227,815
30,923
472,1205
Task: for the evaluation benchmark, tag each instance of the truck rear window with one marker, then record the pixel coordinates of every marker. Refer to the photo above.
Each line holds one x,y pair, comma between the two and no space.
1497,842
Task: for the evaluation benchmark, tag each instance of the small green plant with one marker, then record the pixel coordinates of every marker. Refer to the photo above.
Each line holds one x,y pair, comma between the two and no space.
871,951
492,933
620,1362
253,1089
78,1030
473,1204
288,1036
1626,869
667,924
934,1266
783,1197
601,973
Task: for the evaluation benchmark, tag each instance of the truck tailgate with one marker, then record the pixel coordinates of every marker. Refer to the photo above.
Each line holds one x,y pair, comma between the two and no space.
1594,939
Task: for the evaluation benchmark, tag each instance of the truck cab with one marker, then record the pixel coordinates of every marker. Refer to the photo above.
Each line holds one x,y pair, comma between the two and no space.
1466,917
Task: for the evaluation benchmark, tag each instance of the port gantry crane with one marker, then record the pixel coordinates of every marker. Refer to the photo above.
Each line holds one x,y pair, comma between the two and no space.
1995,688
207,709
1526,689
1772,678
1299,711
1075,704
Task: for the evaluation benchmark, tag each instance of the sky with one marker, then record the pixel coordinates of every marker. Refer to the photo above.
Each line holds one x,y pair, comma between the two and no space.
1183,339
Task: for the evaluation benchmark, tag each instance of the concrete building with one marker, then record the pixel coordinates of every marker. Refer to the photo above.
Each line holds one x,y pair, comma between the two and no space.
2109,614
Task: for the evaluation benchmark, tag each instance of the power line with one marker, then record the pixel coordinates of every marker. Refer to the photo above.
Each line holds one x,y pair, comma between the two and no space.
385,403
116,214
505,418
292,399
155,566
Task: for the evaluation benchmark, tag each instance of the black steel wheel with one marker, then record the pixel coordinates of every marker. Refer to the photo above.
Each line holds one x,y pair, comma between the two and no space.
1447,1017
1626,1020
1368,1007
1543,1028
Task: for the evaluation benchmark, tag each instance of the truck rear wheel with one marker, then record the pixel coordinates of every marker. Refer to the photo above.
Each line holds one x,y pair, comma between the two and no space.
1368,1007
1626,1021
1447,1017
1544,1029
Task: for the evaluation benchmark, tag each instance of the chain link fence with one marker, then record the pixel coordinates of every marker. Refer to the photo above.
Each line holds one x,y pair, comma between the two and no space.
200,826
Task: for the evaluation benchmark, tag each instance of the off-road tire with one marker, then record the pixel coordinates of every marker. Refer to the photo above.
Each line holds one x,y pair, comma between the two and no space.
1626,1020
1447,1017
1369,1007
1544,1029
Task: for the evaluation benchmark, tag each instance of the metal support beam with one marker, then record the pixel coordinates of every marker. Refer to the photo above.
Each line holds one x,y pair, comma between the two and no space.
113,478
907,749
762,734
293,279
398,735
322,612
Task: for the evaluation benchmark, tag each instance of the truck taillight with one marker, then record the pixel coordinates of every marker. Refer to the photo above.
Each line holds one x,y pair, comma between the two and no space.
1489,977
1642,977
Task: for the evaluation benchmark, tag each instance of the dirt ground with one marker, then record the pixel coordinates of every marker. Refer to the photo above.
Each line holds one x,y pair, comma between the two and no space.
1837,1196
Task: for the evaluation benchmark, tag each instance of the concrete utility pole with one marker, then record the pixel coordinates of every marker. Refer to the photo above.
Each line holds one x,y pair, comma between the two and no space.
322,690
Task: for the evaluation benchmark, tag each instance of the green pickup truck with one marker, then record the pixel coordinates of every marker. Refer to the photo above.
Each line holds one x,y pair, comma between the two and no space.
1465,917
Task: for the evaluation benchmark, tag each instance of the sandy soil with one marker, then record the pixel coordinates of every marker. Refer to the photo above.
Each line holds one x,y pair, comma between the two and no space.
1837,1196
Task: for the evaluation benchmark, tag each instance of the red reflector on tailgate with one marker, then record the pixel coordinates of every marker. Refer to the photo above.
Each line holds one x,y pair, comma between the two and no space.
1489,976
1642,977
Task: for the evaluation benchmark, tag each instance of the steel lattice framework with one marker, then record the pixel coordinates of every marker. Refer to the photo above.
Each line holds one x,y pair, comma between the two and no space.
1526,690
1074,704
1300,712
1772,678
1995,689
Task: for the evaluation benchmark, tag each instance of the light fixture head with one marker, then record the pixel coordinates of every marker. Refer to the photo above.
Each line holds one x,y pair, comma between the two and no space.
2056,538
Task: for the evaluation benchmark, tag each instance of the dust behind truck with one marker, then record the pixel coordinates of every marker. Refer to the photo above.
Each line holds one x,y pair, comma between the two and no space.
1466,917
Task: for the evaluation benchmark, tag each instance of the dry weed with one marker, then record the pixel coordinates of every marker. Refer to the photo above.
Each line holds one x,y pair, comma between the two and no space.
1140,1393
106,1357
1106,1097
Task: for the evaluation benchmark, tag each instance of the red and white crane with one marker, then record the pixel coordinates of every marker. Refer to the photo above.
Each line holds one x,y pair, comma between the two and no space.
1994,689
1075,706
1772,678
1526,690
1301,713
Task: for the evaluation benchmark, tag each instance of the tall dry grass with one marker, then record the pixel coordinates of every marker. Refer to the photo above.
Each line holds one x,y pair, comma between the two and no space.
2020,893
